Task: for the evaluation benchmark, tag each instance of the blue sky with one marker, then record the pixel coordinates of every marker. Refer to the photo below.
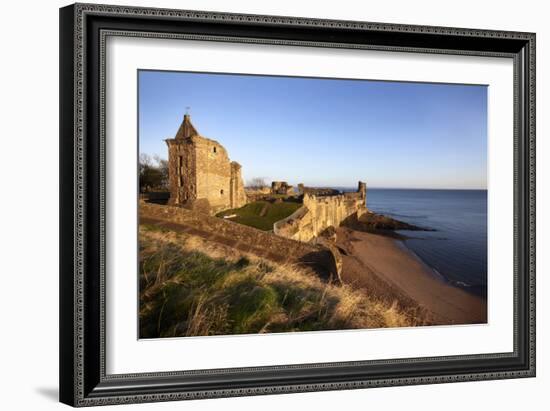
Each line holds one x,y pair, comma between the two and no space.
326,132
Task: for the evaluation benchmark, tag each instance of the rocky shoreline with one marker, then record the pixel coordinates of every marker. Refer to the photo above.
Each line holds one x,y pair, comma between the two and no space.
372,222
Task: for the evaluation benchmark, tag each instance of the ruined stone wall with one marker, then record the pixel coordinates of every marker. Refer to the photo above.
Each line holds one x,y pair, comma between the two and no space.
256,194
281,187
213,173
258,191
317,190
332,210
202,177
181,169
320,212
257,242
297,226
238,196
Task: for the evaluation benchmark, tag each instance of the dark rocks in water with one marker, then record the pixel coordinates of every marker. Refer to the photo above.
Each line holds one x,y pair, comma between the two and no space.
383,222
372,222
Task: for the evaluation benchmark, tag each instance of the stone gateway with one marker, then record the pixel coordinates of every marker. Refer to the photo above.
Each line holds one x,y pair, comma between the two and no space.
201,176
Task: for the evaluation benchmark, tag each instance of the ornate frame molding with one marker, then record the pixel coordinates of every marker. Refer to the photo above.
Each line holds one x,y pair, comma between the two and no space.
83,41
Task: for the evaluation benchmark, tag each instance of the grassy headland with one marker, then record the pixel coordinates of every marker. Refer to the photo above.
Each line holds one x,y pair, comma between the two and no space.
191,287
262,214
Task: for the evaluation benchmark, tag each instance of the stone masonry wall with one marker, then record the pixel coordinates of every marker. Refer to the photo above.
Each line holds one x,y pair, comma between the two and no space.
282,250
320,212
238,195
213,170
181,170
201,176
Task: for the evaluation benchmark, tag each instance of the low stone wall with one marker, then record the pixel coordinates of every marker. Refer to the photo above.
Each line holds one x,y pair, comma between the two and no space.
317,190
297,226
159,197
255,194
318,213
276,248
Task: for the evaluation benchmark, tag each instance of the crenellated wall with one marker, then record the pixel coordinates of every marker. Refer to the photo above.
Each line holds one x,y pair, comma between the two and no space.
320,212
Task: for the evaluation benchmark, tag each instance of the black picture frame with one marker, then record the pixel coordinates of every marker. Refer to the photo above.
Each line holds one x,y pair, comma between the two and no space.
83,29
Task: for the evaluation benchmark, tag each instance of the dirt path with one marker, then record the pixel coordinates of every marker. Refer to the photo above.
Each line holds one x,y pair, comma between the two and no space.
386,267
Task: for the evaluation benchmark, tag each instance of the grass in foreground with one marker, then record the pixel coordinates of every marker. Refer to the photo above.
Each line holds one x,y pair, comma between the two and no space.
187,292
262,214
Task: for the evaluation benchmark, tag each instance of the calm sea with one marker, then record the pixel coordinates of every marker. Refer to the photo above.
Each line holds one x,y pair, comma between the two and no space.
458,247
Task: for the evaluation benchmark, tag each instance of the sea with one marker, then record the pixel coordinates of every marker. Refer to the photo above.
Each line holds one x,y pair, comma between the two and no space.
457,248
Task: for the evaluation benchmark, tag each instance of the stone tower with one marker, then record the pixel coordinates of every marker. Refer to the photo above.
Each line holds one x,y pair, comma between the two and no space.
201,176
362,190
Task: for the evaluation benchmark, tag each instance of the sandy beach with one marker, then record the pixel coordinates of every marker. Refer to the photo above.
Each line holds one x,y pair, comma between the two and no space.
387,268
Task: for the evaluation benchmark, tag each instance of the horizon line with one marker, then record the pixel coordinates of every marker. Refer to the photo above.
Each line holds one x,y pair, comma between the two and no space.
403,188
353,187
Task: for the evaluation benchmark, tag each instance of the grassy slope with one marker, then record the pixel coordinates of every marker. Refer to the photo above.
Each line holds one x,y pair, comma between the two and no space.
262,214
184,292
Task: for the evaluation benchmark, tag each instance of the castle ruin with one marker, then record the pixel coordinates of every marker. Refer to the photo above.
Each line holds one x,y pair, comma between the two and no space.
320,212
281,188
201,176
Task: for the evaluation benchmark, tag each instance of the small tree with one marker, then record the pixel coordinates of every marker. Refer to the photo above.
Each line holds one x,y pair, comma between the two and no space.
153,173
163,168
257,183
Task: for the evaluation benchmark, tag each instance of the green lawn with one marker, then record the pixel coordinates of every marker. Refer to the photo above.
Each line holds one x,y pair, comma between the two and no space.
262,214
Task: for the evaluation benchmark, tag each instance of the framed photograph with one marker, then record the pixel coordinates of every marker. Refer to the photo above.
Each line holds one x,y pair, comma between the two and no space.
260,204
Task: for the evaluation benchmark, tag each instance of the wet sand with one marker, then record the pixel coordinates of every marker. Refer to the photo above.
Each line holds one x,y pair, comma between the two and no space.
387,268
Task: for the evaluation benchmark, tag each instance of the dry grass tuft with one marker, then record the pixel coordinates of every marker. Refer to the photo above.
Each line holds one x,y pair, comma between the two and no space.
191,287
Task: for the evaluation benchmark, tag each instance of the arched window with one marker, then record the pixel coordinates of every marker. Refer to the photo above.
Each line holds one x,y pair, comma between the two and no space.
214,149
221,191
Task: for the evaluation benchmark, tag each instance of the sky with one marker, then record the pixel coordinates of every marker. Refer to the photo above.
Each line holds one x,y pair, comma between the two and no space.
326,132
